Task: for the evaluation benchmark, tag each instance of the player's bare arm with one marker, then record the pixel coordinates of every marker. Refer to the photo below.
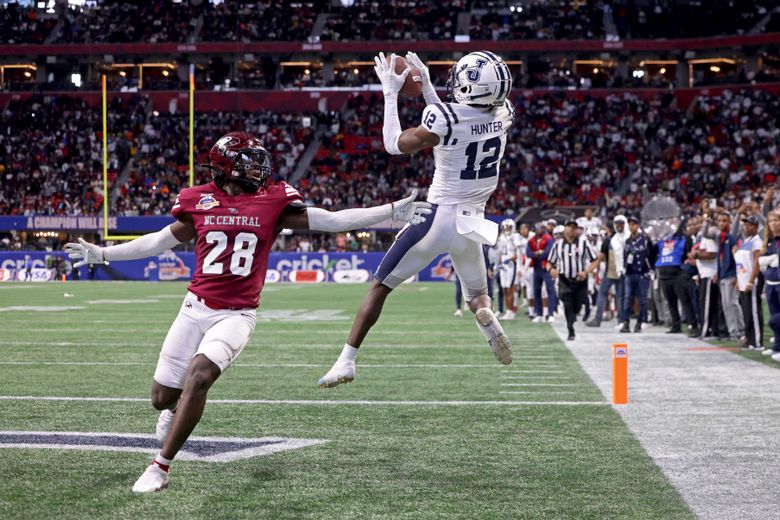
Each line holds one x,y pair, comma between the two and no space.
318,219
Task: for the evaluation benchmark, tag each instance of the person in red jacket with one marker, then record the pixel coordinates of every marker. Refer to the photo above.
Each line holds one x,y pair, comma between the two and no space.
537,251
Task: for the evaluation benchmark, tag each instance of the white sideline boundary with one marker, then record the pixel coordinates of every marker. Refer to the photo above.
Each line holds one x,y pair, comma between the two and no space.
708,419
314,402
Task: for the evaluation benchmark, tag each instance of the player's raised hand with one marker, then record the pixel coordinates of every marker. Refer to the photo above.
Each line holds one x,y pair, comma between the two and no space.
415,61
85,252
391,82
407,210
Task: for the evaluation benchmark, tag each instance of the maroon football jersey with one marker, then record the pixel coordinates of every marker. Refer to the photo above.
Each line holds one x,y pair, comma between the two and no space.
235,235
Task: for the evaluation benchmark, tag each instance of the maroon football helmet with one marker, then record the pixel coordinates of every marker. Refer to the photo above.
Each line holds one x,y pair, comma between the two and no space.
241,158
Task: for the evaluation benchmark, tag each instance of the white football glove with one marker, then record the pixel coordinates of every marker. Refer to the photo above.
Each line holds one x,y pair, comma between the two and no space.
407,210
85,252
391,82
416,62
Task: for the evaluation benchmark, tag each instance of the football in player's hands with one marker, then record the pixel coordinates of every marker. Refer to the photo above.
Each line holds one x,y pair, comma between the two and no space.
413,84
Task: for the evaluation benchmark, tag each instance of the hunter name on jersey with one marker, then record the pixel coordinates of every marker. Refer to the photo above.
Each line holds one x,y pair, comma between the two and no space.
469,153
484,128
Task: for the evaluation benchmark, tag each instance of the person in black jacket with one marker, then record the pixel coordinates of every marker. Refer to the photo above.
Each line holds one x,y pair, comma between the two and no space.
639,256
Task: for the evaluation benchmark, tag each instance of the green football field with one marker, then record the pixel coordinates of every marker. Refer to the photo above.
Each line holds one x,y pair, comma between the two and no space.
432,427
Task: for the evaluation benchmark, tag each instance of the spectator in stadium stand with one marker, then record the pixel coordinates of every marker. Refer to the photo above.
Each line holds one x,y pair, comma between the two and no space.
675,282
537,251
612,254
727,275
750,283
639,258
769,261
571,259
705,253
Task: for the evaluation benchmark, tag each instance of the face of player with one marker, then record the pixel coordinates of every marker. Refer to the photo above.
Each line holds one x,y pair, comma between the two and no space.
524,231
633,227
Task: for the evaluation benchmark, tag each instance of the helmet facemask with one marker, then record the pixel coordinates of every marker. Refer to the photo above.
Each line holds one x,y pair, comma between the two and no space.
251,169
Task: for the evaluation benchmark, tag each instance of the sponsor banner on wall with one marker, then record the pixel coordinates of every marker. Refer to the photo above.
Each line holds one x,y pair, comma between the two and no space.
35,275
351,276
176,266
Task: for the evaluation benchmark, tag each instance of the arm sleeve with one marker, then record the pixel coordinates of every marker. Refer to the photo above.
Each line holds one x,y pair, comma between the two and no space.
145,246
344,220
391,129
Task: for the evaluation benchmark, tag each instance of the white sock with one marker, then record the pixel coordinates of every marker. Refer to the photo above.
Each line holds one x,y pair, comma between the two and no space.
162,461
348,353
493,329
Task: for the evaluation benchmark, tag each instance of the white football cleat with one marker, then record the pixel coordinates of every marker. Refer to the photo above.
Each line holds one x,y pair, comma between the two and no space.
550,319
776,357
538,319
768,352
341,372
509,315
500,345
154,479
163,425
458,313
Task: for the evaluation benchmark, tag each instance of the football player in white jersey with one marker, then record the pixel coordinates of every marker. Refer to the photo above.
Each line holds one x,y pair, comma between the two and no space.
468,136
507,266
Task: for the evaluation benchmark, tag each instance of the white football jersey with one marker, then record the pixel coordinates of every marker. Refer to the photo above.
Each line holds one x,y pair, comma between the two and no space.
468,156
507,247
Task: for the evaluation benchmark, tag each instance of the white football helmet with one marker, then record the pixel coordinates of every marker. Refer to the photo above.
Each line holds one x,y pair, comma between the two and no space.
480,79
507,226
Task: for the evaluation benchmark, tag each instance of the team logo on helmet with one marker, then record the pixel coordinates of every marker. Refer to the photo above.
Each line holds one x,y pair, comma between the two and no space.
473,73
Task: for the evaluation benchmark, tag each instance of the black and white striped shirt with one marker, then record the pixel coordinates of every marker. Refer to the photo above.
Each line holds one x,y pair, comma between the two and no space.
570,258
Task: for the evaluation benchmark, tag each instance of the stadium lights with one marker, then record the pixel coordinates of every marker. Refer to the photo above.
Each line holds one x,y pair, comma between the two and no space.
663,70
714,68
76,80
27,74
638,74
712,60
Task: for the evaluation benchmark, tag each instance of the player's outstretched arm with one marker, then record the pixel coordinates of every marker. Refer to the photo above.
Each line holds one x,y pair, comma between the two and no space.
398,142
318,219
142,247
428,91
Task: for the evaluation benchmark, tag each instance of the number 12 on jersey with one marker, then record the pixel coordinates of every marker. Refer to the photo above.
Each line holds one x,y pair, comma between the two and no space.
488,165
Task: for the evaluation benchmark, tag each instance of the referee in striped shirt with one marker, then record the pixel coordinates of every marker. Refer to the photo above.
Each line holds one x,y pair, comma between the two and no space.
571,259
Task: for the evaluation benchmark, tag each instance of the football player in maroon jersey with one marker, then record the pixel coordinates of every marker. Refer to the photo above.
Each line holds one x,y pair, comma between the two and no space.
235,219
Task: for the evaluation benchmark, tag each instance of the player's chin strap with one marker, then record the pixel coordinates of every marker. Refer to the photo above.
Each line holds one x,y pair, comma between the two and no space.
148,245
391,131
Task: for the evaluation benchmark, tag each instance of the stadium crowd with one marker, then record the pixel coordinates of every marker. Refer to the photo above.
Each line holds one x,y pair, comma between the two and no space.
710,270
609,149
114,21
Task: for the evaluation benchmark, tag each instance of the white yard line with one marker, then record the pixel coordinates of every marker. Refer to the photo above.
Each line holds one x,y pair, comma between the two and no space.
709,419
538,384
313,402
252,365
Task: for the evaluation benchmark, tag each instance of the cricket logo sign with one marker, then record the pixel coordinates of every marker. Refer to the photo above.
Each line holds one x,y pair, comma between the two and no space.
202,449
